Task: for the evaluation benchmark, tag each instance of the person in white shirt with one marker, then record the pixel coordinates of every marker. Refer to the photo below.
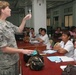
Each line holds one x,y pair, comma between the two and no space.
66,45
32,33
74,42
38,35
44,38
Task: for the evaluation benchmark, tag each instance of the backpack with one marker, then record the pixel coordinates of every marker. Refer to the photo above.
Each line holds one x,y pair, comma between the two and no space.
69,70
35,61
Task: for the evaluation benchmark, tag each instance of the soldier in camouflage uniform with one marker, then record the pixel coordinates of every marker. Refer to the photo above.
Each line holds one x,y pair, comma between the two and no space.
8,49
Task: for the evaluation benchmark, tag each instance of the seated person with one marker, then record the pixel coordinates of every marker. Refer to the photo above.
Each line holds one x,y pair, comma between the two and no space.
73,32
32,33
26,32
26,38
58,32
65,46
74,41
44,38
38,35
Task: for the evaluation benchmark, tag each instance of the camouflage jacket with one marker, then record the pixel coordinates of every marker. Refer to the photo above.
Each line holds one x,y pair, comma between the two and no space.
7,38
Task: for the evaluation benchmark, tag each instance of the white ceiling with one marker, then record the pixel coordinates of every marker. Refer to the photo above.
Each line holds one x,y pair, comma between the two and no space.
55,3
17,4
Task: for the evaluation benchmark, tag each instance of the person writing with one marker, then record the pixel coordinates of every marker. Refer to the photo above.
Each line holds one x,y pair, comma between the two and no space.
8,48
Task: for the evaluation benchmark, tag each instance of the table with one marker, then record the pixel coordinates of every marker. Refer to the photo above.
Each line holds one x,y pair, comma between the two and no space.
27,45
50,68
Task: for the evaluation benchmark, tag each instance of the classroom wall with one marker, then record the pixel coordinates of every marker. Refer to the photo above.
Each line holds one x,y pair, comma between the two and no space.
60,13
16,18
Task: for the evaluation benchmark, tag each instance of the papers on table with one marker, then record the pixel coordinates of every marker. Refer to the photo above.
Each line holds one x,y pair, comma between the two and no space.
49,51
65,58
34,42
63,67
60,58
54,58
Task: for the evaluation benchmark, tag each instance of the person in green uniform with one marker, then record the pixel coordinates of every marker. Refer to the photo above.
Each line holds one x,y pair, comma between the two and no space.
8,48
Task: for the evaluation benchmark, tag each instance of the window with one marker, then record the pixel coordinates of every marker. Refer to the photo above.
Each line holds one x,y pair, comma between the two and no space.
48,21
68,20
68,10
56,21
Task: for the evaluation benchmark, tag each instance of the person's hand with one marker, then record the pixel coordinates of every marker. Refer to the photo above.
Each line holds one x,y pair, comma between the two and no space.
28,52
56,47
27,17
57,44
37,39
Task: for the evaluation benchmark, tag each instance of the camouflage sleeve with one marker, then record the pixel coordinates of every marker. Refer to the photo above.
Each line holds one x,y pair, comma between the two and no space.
14,27
3,41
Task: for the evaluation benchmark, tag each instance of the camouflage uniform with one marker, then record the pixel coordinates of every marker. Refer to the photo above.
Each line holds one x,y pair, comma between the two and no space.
8,61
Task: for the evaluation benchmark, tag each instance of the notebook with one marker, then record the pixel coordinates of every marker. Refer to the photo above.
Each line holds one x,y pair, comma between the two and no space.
54,58
65,58
49,51
60,58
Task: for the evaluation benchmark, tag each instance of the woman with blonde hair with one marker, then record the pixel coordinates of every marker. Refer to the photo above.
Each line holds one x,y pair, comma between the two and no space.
8,48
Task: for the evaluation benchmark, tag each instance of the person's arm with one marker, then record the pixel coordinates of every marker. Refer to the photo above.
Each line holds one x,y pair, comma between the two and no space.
14,50
56,47
21,27
59,49
40,40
